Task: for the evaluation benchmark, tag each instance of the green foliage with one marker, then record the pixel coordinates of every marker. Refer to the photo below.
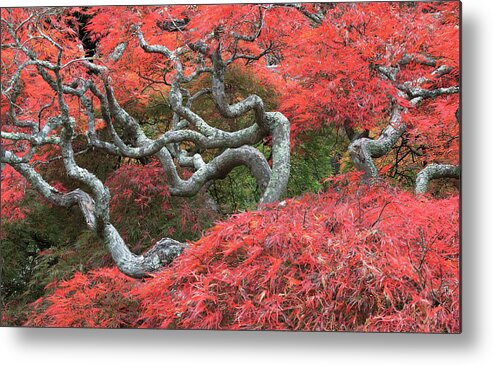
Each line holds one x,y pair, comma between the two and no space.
237,192
314,157
50,244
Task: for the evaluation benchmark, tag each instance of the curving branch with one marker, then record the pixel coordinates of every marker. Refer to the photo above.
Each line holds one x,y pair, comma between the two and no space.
364,150
257,28
67,200
281,154
435,171
140,266
252,102
220,167
316,18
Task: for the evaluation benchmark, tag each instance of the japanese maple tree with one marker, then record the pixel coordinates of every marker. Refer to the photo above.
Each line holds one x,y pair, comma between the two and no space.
56,90
372,66
77,75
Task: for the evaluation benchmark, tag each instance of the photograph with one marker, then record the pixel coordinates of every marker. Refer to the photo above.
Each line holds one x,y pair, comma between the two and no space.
241,167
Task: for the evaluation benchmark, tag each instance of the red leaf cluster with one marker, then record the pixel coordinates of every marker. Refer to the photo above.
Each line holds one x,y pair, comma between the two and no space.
12,188
97,299
137,184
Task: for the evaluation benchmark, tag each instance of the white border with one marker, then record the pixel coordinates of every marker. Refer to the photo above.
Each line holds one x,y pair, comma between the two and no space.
474,346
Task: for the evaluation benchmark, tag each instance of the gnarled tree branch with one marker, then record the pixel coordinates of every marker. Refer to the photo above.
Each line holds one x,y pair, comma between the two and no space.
187,127
435,171
364,150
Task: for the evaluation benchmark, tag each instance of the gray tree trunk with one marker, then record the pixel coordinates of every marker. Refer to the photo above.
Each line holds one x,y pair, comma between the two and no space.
435,171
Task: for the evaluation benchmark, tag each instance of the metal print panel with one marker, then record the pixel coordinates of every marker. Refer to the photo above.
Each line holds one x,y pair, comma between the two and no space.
237,167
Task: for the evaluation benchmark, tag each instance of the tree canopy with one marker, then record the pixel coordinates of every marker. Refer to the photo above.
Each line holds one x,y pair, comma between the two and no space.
325,121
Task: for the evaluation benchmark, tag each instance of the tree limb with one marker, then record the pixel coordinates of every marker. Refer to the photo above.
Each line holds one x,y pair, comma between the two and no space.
435,171
364,150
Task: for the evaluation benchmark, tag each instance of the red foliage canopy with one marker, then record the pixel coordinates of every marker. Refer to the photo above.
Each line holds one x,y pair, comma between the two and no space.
361,259
332,70
324,66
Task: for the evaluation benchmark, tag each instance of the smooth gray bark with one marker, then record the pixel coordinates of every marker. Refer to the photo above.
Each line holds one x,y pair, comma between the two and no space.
139,266
435,171
278,181
364,150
